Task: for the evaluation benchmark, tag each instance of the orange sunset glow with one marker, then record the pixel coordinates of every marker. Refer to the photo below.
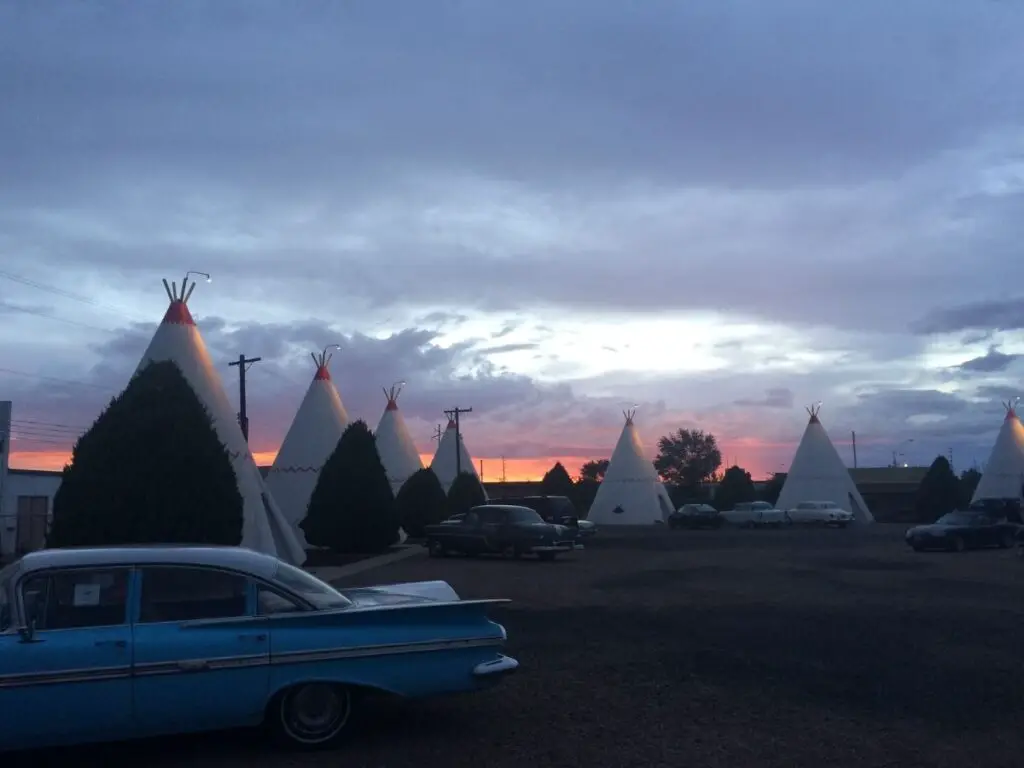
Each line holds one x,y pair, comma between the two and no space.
753,456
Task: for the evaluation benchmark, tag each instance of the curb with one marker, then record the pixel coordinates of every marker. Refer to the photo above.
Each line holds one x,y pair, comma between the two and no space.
332,573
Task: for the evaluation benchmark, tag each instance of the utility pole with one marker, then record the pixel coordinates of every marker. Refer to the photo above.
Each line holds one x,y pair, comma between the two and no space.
503,469
854,436
243,419
481,470
438,433
454,414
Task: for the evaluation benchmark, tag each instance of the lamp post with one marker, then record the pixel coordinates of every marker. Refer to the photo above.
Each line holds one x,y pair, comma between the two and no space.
897,452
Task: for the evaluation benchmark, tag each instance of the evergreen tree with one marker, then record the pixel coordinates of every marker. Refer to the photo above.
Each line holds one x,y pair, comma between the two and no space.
938,493
969,480
352,508
151,469
421,502
465,493
736,486
556,482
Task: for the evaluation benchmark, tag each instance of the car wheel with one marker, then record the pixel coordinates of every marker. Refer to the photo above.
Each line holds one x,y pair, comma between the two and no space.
1006,541
435,548
312,715
956,544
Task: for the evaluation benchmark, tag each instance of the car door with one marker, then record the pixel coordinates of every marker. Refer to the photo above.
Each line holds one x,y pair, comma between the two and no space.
69,680
470,534
492,530
202,655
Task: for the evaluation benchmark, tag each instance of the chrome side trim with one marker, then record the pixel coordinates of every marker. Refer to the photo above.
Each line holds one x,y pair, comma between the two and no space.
365,651
94,675
198,666
191,666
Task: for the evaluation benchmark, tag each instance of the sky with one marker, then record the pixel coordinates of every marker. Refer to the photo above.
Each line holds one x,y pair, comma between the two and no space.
717,211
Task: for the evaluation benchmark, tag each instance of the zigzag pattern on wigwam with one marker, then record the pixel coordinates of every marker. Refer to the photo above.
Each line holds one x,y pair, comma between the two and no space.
309,442
631,492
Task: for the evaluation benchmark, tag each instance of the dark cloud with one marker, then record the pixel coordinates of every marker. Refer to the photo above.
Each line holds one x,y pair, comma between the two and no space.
992,361
777,397
989,315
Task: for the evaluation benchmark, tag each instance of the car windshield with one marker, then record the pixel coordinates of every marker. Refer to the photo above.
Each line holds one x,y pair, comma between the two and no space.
524,516
956,518
321,594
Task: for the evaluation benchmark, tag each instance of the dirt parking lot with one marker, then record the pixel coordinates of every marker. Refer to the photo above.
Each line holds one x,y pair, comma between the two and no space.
710,648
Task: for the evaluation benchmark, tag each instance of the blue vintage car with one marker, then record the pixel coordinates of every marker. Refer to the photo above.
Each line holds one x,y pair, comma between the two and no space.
123,642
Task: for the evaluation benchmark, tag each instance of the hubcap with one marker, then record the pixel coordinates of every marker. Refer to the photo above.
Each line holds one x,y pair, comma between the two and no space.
315,712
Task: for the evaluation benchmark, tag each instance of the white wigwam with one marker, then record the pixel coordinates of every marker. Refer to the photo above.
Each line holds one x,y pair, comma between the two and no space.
631,492
1003,477
310,441
177,339
819,474
397,450
444,460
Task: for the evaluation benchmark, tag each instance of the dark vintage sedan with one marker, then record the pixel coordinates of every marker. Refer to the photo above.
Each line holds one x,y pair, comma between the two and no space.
499,529
957,531
696,516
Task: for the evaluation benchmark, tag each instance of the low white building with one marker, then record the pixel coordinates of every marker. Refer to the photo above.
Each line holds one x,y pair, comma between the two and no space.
26,506
26,498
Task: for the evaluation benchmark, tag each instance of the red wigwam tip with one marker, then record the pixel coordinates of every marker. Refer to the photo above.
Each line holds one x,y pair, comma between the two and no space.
322,374
178,314
392,406
451,423
814,419
1010,414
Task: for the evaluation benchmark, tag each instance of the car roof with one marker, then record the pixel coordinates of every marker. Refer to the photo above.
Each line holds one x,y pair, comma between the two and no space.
237,558
503,507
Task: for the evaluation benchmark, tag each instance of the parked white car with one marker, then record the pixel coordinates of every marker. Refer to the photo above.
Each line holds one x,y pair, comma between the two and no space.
755,514
819,513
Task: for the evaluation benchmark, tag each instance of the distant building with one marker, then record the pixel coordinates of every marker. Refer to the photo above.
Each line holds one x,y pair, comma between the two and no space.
26,508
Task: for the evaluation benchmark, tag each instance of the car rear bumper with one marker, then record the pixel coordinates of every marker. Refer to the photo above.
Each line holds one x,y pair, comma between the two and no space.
553,548
495,670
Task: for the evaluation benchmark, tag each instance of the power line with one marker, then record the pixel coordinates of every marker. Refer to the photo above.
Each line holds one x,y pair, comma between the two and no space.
54,379
62,292
40,313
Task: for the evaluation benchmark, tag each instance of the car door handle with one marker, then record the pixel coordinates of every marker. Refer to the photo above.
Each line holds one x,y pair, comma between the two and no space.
111,643
193,665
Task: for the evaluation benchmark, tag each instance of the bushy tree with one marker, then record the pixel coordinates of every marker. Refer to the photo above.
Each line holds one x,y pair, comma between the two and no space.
421,501
465,493
938,493
352,508
556,482
736,486
687,457
594,470
151,469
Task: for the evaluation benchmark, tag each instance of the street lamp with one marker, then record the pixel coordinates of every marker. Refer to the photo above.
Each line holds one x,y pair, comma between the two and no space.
201,274
896,451
323,352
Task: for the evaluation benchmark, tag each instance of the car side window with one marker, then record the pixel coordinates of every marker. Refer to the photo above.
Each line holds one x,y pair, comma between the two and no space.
182,593
471,518
269,602
76,598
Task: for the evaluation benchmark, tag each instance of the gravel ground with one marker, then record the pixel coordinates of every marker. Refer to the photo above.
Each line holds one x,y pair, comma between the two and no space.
709,648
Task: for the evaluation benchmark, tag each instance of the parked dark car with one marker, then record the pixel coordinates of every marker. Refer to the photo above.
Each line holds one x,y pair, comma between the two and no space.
957,531
695,516
499,529
555,509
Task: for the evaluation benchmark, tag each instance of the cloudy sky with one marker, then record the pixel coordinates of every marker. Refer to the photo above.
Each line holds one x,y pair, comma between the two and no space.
549,210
